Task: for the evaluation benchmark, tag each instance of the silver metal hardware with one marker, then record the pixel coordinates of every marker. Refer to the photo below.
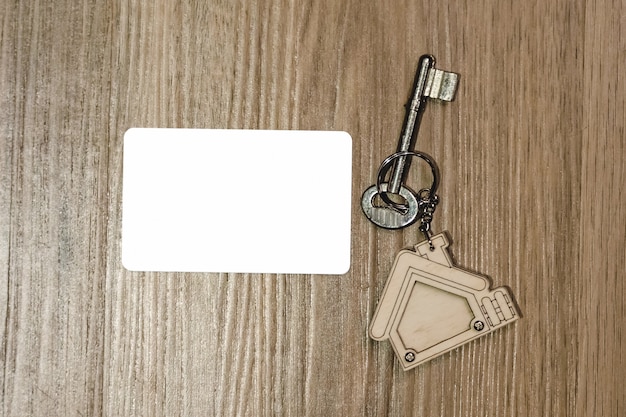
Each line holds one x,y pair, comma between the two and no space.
399,206
385,216
441,85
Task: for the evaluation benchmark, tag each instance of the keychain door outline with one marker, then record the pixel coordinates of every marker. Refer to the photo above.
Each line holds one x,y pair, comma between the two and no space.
429,306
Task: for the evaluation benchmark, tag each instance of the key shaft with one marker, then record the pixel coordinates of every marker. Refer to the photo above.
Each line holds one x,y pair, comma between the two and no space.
410,128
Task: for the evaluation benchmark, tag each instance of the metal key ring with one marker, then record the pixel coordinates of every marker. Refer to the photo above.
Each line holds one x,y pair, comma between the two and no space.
386,165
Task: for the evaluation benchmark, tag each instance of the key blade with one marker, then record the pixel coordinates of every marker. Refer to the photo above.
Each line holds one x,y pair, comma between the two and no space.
441,85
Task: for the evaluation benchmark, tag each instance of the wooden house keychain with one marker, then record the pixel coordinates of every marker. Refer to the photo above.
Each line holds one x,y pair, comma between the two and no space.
429,306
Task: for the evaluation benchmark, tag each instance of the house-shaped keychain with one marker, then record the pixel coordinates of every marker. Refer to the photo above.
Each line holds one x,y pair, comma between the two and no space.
430,307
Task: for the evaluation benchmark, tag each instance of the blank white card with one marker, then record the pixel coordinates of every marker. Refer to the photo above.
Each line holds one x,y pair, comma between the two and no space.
249,201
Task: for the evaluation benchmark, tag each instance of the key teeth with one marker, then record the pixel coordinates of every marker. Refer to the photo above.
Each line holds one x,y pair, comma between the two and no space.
441,85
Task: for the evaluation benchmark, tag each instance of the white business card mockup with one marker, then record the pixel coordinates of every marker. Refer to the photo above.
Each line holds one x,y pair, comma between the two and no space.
248,201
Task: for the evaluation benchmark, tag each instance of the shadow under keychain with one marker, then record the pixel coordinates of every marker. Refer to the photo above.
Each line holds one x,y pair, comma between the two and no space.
429,306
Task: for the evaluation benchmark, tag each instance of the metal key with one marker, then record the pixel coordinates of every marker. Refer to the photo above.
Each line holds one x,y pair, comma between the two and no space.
400,203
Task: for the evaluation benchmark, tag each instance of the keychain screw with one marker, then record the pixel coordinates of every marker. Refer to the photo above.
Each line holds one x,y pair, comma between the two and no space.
479,325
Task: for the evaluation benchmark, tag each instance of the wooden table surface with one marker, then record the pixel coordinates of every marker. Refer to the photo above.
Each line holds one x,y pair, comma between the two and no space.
532,157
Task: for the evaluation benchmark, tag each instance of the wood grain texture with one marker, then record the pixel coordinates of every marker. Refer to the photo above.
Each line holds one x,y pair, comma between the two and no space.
532,159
